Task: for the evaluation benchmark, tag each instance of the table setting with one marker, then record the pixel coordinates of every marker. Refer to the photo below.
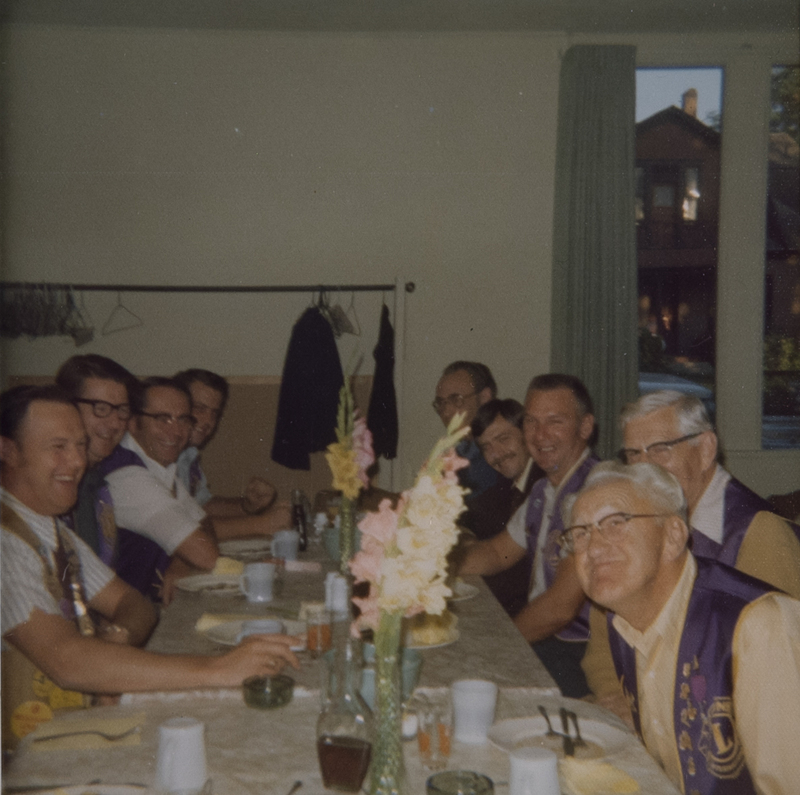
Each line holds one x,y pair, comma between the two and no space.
430,690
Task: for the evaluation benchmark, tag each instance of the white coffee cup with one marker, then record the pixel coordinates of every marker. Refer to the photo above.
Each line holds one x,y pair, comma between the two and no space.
257,580
181,764
534,771
474,701
260,626
285,544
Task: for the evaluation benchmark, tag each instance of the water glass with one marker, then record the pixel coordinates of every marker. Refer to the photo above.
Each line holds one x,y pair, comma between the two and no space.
434,722
257,581
318,630
474,701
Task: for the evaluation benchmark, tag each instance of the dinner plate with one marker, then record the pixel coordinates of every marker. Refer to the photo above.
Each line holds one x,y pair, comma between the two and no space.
463,590
601,738
246,549
452,637
219,584
226,634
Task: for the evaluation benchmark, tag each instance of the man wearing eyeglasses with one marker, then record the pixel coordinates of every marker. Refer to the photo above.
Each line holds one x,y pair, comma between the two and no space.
728,521
463,388
158,519
707,656
101,389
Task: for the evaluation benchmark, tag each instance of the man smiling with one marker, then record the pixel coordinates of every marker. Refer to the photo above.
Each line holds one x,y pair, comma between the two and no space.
706,654
156,515
558,425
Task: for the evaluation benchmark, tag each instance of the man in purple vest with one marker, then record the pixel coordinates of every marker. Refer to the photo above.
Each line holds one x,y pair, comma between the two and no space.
160,525
558,425
707,656
728,521
101,389
256,512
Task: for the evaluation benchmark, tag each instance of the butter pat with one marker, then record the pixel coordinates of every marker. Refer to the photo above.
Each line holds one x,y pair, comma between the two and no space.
228,567
593,777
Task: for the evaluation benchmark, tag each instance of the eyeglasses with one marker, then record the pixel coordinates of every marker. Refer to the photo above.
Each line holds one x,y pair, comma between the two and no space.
101,408
659,452
611,528
456,401
165,420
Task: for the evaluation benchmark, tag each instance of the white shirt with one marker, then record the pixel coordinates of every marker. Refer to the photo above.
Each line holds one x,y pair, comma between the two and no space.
152,501
766,685
23,587
708,514
519,532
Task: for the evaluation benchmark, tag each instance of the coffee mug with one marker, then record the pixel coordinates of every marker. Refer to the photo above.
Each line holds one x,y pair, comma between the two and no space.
260,626
181,763
285,544
256,582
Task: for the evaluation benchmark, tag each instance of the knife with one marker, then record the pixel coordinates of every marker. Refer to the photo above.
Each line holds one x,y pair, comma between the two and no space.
569,745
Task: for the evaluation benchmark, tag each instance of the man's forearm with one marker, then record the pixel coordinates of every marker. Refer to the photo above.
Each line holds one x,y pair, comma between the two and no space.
137,615
481,558
540,619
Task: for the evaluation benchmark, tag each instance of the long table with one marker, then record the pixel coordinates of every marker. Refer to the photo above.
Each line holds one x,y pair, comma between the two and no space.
252,752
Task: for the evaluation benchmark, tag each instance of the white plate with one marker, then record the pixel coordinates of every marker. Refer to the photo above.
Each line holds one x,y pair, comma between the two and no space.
246,549
219,584
463,590
509,734
226,634
452,638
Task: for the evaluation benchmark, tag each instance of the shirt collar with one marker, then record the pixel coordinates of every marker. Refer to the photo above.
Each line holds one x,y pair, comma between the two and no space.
670,617
43,527
164,474
707,516
520,482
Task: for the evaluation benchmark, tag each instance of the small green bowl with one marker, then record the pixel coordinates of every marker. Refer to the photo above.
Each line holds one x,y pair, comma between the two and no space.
268,692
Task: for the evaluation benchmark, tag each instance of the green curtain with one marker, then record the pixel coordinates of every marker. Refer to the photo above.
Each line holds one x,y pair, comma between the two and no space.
594,312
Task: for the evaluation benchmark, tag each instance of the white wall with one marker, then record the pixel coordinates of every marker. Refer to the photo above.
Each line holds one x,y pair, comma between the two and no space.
208,157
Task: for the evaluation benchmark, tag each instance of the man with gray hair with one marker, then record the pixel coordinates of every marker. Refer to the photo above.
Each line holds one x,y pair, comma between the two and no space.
728,521
691,638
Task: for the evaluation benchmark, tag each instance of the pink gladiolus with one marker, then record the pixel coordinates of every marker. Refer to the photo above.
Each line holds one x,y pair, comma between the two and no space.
381,525
362,447
370,614
452,462
366,565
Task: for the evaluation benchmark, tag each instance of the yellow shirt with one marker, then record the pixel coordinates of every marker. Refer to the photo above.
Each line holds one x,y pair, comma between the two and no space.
766,684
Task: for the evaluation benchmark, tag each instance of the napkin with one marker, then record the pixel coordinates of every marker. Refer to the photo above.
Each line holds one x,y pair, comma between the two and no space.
593,777
84,741
209,620
228,567
304,566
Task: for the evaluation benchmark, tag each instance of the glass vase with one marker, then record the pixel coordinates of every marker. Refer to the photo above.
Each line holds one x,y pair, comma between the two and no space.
388,772
347,523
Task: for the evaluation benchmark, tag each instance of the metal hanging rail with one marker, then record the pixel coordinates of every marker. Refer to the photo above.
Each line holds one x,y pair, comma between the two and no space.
176,288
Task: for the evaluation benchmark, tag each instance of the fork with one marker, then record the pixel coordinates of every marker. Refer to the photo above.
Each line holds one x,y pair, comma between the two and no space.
111,737
550,732
579,741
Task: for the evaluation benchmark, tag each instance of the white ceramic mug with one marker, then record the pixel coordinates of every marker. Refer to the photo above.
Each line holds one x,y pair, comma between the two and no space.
257,580
474,701
534,771
260,626
181,765
285,544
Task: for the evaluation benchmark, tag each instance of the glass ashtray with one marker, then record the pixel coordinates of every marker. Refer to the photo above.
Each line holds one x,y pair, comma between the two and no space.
268,692
459,782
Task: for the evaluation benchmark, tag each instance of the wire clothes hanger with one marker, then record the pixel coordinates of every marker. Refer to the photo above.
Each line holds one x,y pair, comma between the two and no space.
121,319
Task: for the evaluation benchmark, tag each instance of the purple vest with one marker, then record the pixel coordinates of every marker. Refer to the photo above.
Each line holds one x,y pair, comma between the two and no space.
140,561
579,628
710,750
195,475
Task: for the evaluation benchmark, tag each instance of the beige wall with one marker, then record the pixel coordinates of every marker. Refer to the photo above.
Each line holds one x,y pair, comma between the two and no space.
210,157
222,157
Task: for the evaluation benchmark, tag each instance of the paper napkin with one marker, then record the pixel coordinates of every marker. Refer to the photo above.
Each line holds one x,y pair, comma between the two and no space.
593,777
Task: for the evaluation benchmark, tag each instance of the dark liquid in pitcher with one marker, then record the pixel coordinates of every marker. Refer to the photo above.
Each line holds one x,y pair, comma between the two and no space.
343,762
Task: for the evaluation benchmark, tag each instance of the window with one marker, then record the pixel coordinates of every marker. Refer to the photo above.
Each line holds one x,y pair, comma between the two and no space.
781,383
678,145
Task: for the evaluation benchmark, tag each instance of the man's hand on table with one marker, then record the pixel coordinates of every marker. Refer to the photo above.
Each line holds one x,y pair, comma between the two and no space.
256,655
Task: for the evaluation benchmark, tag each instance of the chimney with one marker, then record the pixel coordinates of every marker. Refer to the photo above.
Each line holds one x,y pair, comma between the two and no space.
689,102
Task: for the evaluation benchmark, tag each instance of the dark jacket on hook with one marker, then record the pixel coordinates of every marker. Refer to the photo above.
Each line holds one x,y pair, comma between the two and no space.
309,396
382,413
